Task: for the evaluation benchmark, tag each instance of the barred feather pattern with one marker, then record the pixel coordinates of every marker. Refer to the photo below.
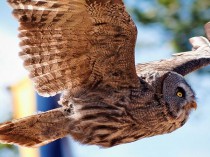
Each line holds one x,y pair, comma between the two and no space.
96,120
99,120
76,44
85,49
36,130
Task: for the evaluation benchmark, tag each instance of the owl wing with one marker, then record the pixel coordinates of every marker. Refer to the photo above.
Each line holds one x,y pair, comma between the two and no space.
76,44
207,30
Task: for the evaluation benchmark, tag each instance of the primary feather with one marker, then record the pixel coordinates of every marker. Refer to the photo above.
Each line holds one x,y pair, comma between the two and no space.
69,44
36,130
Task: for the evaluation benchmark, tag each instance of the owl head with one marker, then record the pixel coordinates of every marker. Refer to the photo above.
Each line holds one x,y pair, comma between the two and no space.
178,95
168,79
166,82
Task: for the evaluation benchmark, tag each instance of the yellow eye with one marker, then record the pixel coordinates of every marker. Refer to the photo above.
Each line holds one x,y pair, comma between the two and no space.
179,94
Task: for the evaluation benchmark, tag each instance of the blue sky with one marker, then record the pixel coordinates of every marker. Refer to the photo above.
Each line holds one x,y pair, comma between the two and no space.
192,140
11,66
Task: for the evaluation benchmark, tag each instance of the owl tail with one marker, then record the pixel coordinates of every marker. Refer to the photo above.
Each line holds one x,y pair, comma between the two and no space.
36,130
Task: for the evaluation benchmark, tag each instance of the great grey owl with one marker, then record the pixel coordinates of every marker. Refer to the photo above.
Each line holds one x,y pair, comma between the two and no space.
84,49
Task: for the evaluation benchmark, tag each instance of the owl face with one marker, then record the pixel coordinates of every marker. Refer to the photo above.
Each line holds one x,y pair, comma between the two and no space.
179,96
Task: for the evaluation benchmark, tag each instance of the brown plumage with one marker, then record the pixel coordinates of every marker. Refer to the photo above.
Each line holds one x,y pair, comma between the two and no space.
85,49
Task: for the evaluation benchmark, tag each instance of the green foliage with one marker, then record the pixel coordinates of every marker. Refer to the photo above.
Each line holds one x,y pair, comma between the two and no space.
2,146
182,18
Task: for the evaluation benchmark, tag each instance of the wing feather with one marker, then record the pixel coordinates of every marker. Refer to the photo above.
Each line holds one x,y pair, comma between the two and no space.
74,44
207,30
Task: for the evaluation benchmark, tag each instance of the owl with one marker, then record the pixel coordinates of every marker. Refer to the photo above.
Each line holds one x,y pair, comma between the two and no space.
84,49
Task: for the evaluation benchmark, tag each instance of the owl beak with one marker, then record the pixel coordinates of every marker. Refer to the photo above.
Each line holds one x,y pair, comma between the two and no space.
194,105
191,105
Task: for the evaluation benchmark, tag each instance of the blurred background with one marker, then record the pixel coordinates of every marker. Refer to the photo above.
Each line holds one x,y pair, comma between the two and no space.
164,28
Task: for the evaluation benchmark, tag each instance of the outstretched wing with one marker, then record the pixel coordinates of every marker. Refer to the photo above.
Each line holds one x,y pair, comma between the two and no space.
76,44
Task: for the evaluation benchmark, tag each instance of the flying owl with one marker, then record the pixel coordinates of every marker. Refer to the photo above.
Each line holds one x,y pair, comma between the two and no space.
84,49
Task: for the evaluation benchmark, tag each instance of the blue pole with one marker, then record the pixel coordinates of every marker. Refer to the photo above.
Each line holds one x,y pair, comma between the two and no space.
53,149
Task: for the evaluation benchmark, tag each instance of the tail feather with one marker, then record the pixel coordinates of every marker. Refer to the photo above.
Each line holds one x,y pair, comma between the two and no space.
36,130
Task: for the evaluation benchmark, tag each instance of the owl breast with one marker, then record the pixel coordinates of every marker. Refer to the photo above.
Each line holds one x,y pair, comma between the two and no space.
127,117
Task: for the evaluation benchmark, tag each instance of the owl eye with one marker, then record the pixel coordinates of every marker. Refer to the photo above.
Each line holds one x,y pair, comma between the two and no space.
180,92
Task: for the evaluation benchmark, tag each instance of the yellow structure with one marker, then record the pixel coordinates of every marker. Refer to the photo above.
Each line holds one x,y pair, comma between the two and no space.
24,105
